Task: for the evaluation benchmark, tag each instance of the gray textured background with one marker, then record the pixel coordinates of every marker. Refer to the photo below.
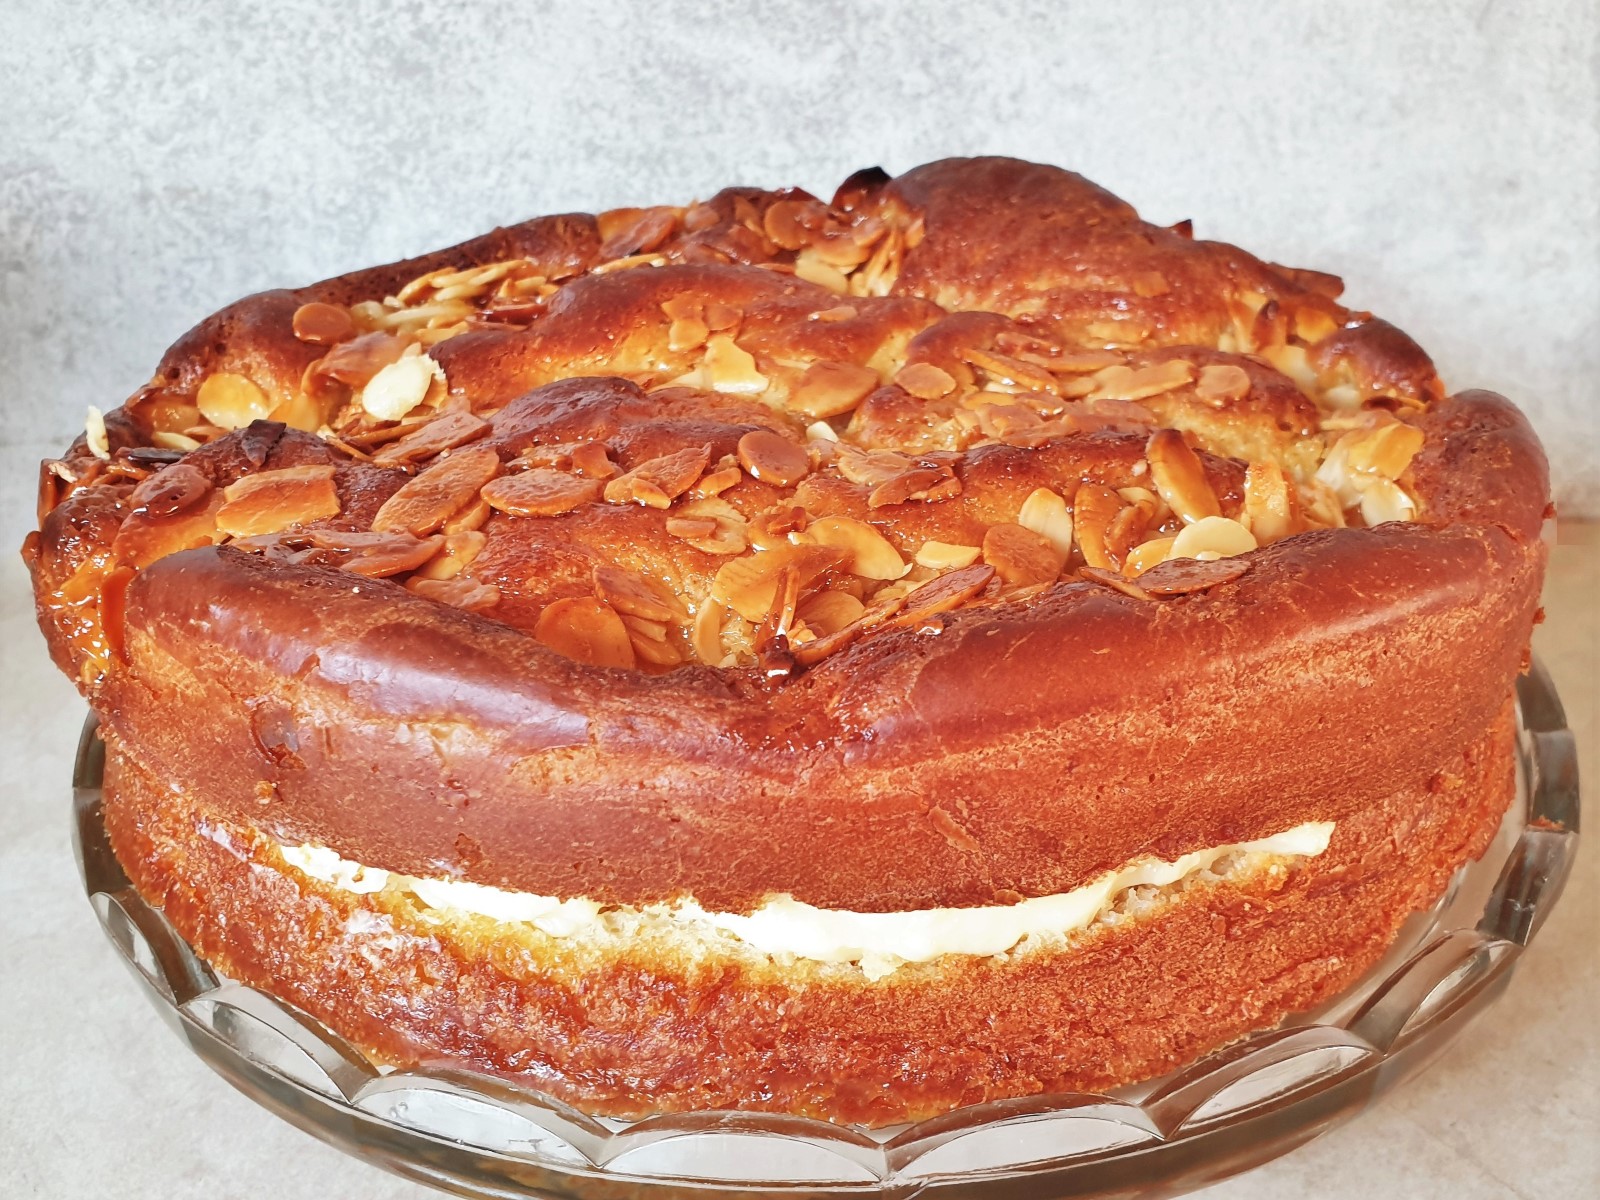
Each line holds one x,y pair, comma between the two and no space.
157,161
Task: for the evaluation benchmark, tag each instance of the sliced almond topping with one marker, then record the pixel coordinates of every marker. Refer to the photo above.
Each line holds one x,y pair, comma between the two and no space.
926,484
444,432
325,324
1020,556
1179,577
460,592
732,369
446,486
454,555
773,458
269,501
1125,383
94,434
1045,513
353,363
925,381
946,556
1147,555
1179,477
714,483
1212,537
1386,450
1383,501
947,592
830,611
871,467
771,527
399,387
789,223
1094,508
469,518
867,552
808,265
876,614
591,460
540,493
660,481
1113,580
1005,369
1271,503
375,555
632,595
748,585
170,490
1127,530
688,329
586,630
1084,362
1222,383
831,389
839,312
231,401
711,525
706,634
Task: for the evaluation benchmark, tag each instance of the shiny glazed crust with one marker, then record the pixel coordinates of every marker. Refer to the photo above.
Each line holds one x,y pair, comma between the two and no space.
659,1027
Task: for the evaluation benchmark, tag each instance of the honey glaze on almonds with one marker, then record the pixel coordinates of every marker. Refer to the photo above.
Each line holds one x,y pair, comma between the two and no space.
749,432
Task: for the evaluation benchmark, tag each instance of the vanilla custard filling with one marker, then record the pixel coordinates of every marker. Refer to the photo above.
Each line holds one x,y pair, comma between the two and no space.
878,941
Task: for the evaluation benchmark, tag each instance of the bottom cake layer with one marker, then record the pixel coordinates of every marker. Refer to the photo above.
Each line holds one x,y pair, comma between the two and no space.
640,1016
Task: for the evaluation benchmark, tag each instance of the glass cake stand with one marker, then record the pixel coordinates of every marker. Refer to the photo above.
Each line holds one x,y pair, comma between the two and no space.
1246,1104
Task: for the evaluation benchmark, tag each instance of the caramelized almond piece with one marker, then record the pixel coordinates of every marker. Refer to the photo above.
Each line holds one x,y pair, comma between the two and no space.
1147,555
773,459
880,611
586,630
748,584
1094,508
731,368
1020,556
867,552
471,517
830,611
1126,383
1180,576
1012,370
454,556
946,556
325,324
269,501
919,483
459,592
232,401
540,493
170,490
426,501
1212,537
591,460
925,381
711,525
947,592
660,481
1179,477
1221,383
1271,504
1386,450
632,595
705,635
378,555
444,432
871,467
400,386
1116,582
1045,513
714,483
354,362
831,389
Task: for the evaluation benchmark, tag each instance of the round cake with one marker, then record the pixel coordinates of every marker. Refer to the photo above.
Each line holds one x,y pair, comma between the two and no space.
853,658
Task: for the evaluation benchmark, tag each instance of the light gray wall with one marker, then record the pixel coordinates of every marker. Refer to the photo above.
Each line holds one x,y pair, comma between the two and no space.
160,160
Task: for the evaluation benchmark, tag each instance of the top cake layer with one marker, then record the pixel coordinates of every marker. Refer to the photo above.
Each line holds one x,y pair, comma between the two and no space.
957,540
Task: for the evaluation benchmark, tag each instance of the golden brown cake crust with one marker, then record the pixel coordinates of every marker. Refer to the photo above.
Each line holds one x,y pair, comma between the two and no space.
1034,735
642,1031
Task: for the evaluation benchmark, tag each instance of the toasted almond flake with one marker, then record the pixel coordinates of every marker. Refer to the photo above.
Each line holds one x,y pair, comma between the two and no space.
773,458
924,484
172,489
1222,383
468,518
632,595
1147,555
1020,556
749,584
1221,537
399,387
454,555
1116,582
659,481
231,401
1181,577
711,525
444,432
355,362
831,389
947,592
786,223
867,552
731,369
427,500
459,592
714,483
1125,383
174,441
94,434
1094,509
1045,513
1179,477
540,493
829,611
946,556
705,636
1383,501
269,501
688,329
1271,504
586,630
809,265
592,461
771,527
925,381
1386,450
871,467
1005,369
324,324
878,612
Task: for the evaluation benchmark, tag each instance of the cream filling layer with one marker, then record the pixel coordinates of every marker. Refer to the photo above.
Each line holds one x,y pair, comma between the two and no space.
879,942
